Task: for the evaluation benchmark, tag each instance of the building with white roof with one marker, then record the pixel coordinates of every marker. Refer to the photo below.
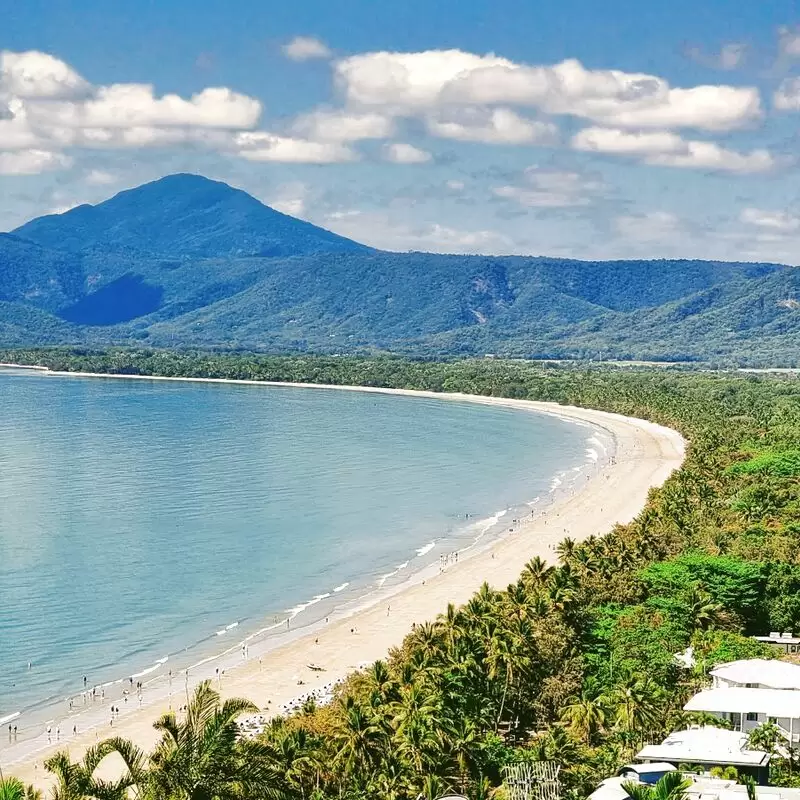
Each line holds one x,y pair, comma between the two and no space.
701,788
757,673
746,708
787,642
709,747
705,745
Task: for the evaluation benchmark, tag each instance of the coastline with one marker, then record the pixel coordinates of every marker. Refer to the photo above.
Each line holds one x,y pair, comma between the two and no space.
646,455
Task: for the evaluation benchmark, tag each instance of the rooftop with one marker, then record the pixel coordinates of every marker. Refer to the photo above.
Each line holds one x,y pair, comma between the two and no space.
738,700
702,788
707,745
767,672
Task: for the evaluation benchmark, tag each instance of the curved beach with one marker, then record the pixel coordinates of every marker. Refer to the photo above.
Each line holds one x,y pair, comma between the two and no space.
645,456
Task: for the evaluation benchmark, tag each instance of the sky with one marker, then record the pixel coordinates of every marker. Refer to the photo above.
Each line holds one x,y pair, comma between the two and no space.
574,128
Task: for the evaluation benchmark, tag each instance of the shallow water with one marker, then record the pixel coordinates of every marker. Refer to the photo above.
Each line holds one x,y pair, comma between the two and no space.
140,520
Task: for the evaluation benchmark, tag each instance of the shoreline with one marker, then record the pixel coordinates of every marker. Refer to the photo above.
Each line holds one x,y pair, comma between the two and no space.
615,493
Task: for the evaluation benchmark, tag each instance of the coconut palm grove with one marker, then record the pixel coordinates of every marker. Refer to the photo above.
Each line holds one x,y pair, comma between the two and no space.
574,663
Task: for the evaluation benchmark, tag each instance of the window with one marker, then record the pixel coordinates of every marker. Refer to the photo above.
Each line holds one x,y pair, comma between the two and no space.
772,720
751,686
752,716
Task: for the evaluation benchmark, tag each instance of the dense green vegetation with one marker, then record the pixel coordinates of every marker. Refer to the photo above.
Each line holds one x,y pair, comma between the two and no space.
572,663
185,261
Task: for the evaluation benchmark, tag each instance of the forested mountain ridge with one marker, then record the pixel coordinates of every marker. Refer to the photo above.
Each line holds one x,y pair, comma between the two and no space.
185,261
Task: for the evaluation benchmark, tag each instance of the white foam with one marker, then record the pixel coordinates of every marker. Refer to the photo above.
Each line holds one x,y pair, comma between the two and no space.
300,607
232,625
341,587
391,574
592,454
147,671
9,717
426,548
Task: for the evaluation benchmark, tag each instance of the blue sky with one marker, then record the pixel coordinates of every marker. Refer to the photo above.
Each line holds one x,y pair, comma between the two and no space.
595,130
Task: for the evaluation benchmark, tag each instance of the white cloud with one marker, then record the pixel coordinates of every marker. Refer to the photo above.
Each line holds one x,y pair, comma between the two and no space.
99,177
653,226
789,42
16,132
776,221
423,82
663,148
710,156
306,48
550,188
129,105
32,162
263,146
38,75
639,143
787,96
46,107
455,186
378,229
342,126
290,198
402,153
731,55
500,126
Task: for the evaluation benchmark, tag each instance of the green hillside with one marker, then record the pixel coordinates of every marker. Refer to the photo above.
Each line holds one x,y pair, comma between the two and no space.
185,261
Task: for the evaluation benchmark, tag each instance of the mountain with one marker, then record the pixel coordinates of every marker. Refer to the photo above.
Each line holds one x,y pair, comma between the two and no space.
185,261
183,216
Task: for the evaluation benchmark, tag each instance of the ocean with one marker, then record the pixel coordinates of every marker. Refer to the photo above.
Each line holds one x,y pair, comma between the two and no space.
146,525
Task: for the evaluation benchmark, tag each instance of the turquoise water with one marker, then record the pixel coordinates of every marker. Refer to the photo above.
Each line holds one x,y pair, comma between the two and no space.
138,519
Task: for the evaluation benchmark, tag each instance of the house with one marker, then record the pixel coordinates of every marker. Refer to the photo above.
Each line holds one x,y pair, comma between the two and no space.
785,642
757,673
709,747
701,788
748,707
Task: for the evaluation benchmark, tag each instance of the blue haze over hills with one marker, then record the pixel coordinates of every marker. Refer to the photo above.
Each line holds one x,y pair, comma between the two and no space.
186,261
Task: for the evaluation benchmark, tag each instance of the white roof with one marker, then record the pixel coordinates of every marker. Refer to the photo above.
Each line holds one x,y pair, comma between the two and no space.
772,702
610,789
767,672
705,745
702,788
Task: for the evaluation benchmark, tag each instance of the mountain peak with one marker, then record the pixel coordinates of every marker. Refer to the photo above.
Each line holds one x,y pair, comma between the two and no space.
183,216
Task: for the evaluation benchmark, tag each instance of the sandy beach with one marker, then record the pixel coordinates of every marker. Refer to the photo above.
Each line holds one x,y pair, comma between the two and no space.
645,456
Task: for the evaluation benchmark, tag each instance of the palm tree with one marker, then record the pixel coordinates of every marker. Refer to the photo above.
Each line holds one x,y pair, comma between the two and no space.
565,549
635,702
358,738
765,737
76,781
537,571
585,714
672,786
704,612
201,758
15,789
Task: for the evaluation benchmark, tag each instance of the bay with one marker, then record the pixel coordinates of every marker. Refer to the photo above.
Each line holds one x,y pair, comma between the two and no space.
139,520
